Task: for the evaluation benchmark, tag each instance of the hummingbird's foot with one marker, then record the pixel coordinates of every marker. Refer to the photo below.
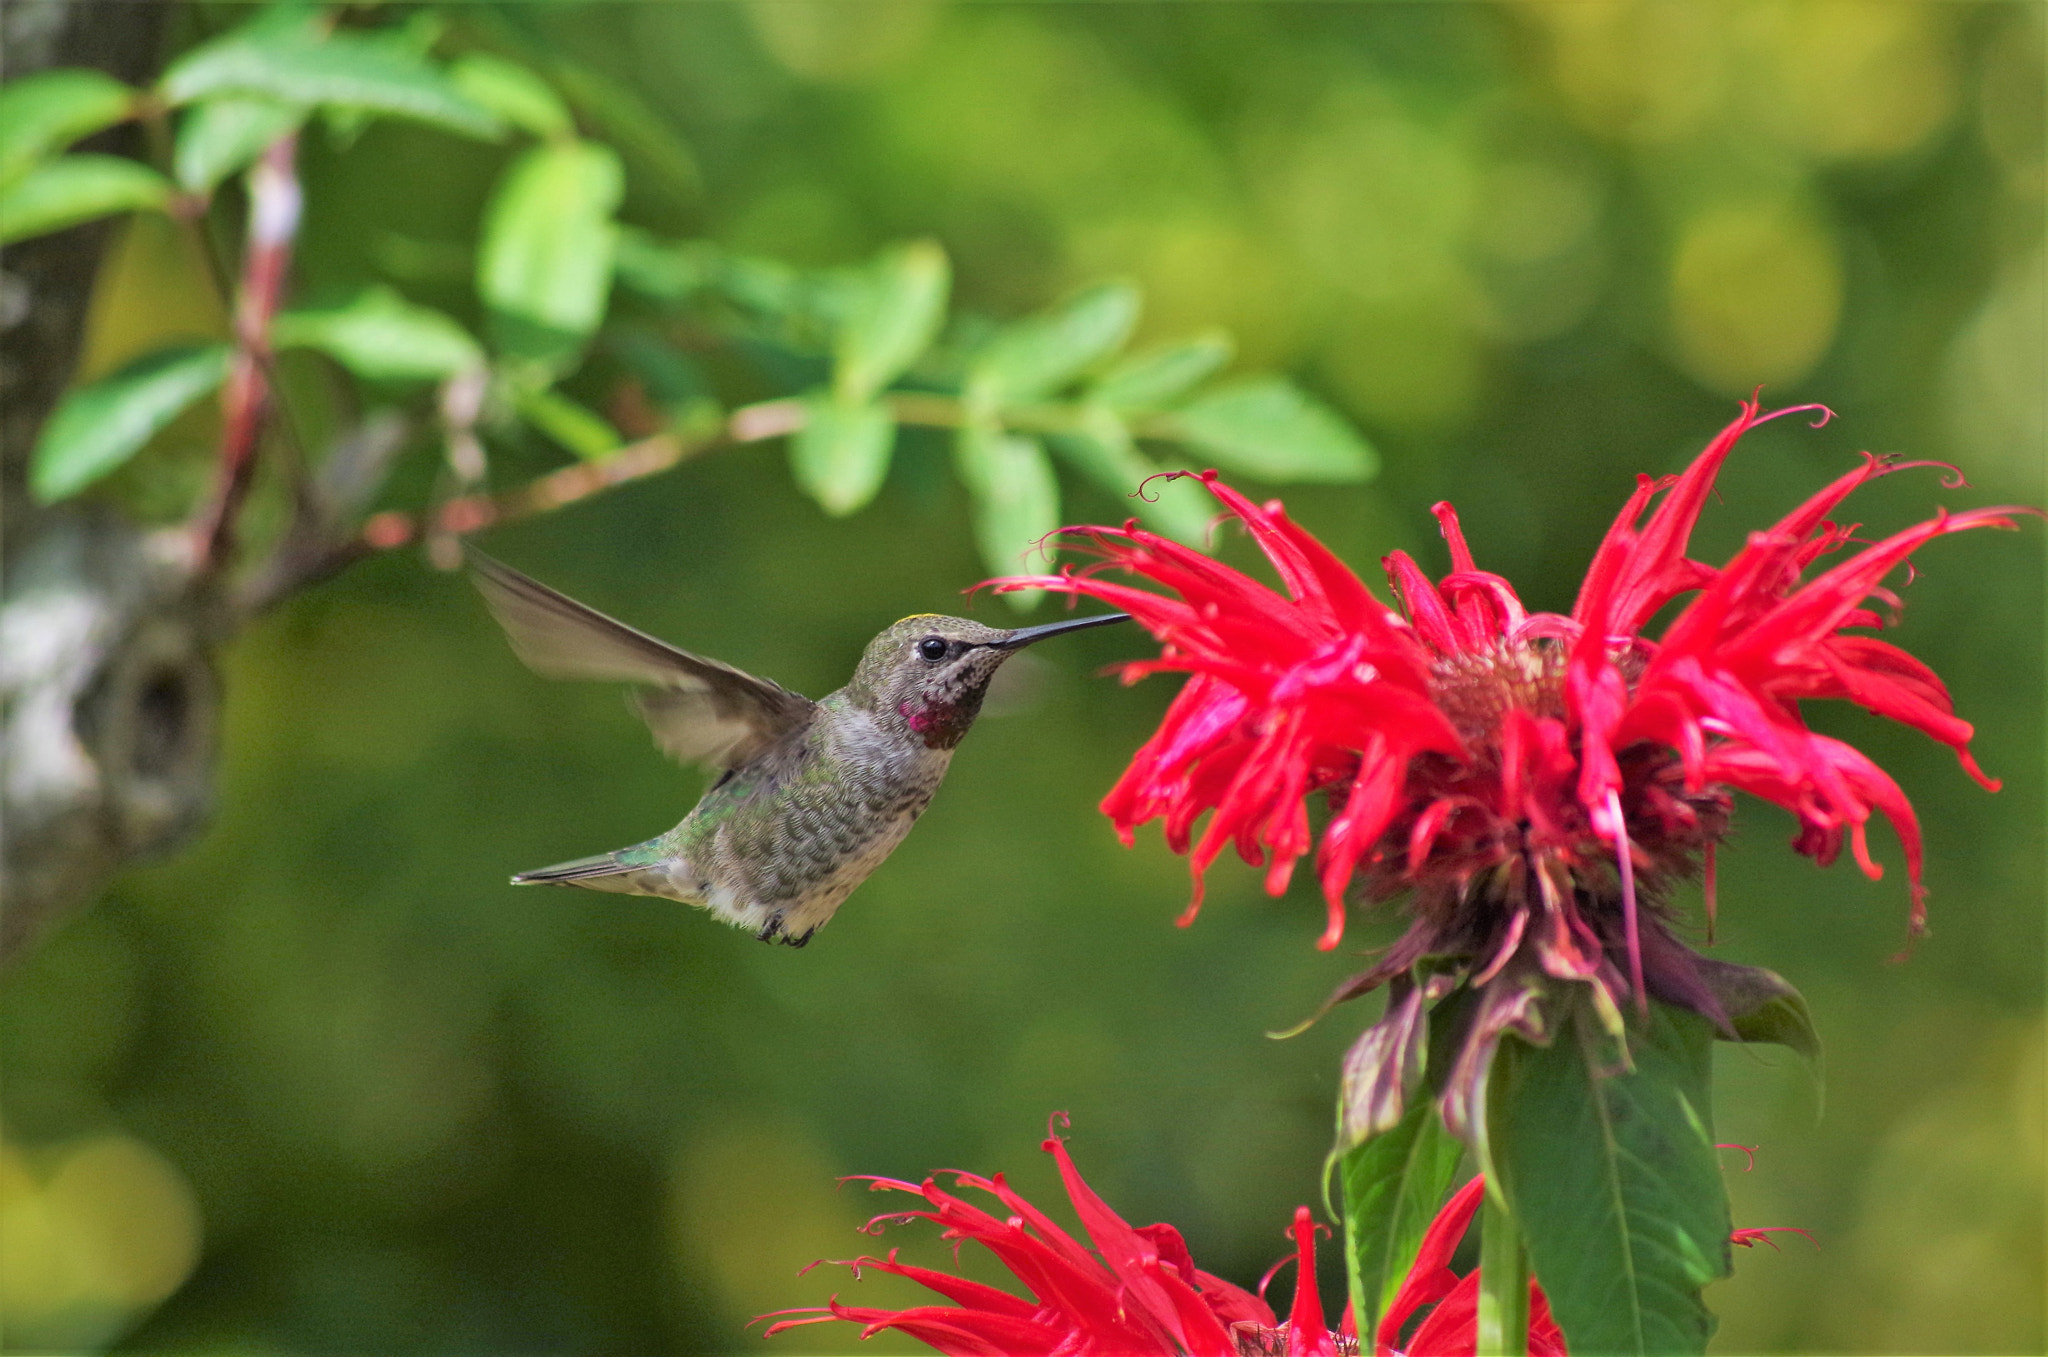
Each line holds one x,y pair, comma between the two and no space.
772,932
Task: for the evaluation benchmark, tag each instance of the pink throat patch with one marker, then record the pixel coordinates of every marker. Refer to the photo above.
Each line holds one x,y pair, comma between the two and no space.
941,725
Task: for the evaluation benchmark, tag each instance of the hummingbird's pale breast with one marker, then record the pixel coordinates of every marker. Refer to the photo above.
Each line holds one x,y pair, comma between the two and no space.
811,797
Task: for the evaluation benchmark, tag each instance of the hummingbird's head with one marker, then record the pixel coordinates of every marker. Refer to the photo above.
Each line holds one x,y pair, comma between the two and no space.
931,672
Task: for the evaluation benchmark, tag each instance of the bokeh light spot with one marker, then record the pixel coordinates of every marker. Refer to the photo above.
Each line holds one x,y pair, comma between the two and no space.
108,1231
1756,290
1854,78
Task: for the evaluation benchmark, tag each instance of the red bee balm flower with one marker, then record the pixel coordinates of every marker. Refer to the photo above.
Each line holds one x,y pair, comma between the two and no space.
1532,781
1138,1293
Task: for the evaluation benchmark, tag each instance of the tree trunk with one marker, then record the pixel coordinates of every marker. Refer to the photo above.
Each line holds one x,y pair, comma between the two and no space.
109,700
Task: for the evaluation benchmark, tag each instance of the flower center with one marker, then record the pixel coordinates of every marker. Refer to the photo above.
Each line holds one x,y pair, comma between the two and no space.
1475,689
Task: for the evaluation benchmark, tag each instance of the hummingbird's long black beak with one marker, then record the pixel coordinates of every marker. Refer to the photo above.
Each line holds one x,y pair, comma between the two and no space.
1024,636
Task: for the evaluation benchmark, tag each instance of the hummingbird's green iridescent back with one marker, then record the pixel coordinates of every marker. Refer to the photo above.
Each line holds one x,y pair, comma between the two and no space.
812,795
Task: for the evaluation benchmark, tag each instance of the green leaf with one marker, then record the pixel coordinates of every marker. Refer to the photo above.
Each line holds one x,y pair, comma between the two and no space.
841,454
77,188
1269,428
381,336
99,426
665,270
1393,1187
1101,448
545,264
1396,1178
284,55
43,113
1016,499
576,427
1763,1006
1613,1178
1033,358
513,93
1158,376
220,137
893,314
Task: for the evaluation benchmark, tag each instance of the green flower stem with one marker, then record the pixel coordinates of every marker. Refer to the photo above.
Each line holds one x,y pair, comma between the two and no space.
1503,1283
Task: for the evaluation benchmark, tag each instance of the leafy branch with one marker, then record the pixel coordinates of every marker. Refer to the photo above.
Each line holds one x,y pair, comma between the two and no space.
572,300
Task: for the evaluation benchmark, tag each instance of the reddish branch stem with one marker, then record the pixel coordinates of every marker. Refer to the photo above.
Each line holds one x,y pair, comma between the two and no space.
649,456
275,203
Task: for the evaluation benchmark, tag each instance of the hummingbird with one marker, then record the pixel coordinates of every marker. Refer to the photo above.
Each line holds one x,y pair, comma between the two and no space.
809,797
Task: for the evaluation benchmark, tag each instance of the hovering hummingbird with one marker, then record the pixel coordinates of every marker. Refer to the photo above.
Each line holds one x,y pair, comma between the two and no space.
810,796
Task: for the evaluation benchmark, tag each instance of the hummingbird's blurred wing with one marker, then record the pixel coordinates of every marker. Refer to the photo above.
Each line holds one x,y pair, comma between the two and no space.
701,711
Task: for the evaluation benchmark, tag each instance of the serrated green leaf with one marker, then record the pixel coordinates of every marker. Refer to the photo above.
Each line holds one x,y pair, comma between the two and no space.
544,267
576,427
97,427
513,93
1158,376
1101,448
74,189
381,336
285,55
1613,1179
1032,358
841,454
220,137
892,314
1269,428
43,113
1016,498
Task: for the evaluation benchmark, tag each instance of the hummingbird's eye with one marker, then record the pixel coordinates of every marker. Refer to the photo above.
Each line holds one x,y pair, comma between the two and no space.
932,648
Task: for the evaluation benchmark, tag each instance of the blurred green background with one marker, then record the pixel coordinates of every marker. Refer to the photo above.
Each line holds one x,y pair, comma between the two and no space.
326,1083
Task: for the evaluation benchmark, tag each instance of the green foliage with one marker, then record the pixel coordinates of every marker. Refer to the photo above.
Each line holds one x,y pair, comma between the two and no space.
1102,448
1033,358
222,137
101,425
544,265
1393,1185
286,54
380,336
1017,501
1611,1174
1269,428
48,111
1764,1007
1395,1158
841,454
74,189
889,315
1156,377
513,93
576,427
